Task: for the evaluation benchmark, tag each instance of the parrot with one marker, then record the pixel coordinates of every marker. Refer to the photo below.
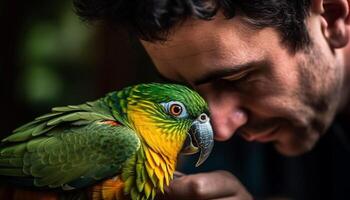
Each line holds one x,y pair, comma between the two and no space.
124,145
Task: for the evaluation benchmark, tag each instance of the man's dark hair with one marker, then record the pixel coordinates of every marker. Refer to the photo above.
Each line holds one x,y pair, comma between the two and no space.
152,20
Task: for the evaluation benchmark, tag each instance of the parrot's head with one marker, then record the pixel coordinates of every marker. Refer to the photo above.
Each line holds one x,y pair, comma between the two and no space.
170,119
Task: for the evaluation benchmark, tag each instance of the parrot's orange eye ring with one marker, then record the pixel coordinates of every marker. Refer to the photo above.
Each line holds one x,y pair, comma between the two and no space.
175,110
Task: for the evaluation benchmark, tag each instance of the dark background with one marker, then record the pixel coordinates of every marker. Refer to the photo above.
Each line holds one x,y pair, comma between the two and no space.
49,58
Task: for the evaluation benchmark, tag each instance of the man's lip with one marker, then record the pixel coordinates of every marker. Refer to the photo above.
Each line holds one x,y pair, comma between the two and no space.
267,136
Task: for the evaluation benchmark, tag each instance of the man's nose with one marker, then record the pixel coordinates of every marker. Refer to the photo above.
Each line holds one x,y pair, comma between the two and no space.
226,118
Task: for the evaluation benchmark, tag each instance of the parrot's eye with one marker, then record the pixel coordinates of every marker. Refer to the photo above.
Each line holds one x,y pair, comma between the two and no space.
176,109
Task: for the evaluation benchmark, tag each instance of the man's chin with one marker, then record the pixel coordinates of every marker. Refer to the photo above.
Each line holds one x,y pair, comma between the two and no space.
291,143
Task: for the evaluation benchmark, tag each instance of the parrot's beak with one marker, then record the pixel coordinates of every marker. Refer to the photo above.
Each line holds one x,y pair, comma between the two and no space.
201,133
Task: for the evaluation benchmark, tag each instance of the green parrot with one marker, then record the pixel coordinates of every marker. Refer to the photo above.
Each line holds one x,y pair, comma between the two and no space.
124,145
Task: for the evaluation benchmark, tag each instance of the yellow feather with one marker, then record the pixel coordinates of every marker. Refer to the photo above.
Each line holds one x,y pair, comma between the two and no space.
167,179
163,166
159,173
149,169
171,167
161,185
150,159
148,189
166,159
155,157
171,176
154,192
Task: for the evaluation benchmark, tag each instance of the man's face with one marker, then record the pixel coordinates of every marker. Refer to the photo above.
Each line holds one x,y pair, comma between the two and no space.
254,85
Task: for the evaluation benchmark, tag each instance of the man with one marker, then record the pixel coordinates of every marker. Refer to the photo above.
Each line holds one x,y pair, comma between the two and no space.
271,71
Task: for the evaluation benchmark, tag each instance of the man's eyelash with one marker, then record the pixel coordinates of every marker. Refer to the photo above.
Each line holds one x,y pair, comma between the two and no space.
240,77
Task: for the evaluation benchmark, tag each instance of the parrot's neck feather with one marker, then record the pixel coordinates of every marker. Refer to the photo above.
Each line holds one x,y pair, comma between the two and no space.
146,173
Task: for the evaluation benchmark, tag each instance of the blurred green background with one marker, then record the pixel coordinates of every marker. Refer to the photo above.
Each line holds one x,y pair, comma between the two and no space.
50,58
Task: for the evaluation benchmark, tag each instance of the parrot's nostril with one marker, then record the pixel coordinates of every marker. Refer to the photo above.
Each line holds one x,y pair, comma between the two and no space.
203,118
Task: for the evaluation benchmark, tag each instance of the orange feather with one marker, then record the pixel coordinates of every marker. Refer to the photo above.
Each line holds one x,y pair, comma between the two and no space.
111,189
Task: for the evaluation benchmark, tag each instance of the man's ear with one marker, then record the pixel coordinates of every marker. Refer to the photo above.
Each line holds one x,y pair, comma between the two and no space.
335,19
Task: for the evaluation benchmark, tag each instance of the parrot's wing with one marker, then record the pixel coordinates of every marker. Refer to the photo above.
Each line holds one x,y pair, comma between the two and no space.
68,152
73,115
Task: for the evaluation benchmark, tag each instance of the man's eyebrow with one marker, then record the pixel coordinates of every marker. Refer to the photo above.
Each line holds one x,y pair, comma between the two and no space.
215,75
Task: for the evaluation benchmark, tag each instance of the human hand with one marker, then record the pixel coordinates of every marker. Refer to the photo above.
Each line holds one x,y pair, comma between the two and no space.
218,185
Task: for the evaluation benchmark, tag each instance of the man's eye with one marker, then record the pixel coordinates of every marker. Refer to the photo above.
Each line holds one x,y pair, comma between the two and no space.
247,83
236,77
239,79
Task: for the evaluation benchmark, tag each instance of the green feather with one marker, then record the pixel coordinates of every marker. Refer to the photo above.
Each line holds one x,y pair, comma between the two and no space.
91,111
48,116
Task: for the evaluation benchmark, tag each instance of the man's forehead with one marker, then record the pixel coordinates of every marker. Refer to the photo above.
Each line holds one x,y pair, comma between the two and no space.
197,47
195,36
190,39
